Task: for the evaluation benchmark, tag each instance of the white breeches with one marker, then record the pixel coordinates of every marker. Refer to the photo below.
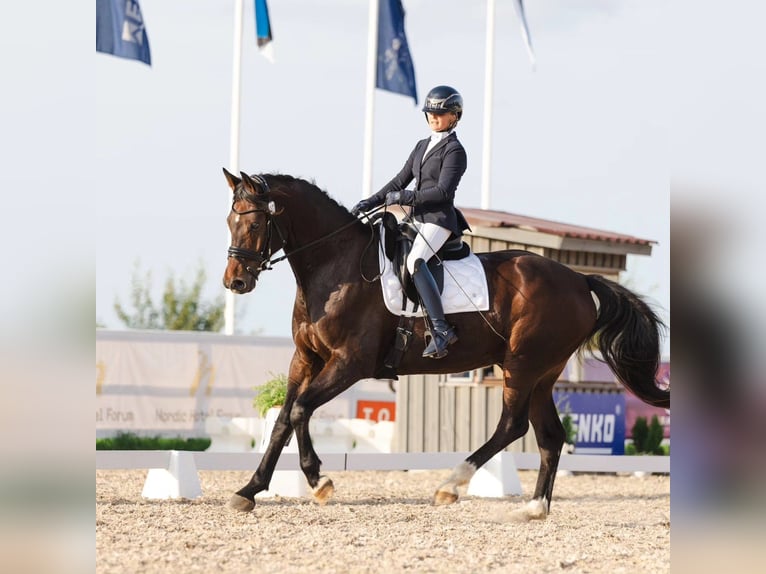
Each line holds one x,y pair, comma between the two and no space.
429,240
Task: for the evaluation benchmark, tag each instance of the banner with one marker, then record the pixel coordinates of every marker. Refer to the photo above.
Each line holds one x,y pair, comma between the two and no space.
169,383
395,70
599,419
120,30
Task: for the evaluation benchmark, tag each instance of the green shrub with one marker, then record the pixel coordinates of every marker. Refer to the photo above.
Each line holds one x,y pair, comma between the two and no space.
640,434
271,394
569,429
130,441
647,438
654,437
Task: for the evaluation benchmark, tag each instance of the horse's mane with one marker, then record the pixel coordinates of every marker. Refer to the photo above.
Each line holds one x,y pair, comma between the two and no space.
289,182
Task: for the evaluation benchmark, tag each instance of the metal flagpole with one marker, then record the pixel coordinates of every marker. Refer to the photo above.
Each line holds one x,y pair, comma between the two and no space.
236,91
369,116
489,72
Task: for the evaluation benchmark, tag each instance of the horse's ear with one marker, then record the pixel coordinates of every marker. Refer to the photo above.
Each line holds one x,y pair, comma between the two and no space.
232,179
250,185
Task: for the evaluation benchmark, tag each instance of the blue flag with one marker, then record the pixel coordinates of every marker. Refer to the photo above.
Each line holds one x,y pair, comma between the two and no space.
395,70
263,29
120,30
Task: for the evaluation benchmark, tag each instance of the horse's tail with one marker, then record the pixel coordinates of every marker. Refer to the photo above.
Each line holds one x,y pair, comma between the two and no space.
627,332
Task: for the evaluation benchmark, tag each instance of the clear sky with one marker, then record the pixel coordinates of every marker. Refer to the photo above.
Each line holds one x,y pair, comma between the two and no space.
581,139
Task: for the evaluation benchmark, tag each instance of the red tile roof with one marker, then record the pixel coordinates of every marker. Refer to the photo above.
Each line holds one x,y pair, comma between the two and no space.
491,218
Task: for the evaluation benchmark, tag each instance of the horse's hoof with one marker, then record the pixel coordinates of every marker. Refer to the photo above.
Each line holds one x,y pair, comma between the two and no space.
443,497
323,490
533,510
241,503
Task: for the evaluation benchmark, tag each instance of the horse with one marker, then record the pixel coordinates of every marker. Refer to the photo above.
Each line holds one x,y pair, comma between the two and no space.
541,312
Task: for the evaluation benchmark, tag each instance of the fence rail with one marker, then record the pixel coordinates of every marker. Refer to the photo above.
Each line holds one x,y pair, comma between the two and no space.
147,459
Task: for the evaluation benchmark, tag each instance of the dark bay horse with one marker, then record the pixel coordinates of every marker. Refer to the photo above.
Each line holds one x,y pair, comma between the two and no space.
541,312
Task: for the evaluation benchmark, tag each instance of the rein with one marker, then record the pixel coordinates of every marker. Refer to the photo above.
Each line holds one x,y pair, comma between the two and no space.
310,244
263,259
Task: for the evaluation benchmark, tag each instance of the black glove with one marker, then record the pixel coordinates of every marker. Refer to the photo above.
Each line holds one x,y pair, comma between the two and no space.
364,205
403,197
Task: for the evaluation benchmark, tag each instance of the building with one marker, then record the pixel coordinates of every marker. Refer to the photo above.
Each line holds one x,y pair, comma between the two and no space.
431,410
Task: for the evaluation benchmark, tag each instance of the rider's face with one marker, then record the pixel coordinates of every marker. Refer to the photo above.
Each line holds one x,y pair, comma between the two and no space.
441,122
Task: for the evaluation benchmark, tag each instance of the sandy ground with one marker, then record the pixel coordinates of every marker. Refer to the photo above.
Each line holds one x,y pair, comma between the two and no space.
384,522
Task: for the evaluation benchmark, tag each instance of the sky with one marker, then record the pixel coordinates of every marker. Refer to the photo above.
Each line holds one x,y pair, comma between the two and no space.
581,138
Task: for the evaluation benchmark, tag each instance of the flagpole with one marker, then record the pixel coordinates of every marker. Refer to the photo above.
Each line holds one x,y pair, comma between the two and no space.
369,115
489,72
236,92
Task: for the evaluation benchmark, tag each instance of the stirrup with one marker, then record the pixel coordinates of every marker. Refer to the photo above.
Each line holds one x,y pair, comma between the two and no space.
433,350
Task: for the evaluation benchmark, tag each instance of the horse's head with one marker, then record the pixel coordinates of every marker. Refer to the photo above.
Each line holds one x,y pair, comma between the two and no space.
251,223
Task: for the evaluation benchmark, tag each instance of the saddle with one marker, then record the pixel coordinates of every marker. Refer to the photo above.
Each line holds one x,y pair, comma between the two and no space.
397,243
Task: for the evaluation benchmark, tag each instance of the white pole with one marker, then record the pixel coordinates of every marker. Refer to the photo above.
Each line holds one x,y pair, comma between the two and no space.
236,91
369,116
489,72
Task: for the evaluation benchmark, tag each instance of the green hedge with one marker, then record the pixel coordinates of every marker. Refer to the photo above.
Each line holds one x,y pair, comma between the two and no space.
130,441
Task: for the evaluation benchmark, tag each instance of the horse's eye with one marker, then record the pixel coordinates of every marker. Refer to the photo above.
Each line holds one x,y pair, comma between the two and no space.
254,226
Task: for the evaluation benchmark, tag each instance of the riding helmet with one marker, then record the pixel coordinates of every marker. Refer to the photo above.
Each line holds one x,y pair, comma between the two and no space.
442,99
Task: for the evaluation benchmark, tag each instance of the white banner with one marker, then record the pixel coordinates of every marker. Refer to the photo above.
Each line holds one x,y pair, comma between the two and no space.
168,383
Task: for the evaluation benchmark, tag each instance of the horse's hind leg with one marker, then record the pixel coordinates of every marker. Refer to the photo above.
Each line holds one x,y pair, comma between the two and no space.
513,424
550,436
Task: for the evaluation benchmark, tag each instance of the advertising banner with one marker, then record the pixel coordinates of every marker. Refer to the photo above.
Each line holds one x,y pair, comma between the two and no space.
599,419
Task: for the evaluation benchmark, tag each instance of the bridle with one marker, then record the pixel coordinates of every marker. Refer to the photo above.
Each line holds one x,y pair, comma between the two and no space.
262,258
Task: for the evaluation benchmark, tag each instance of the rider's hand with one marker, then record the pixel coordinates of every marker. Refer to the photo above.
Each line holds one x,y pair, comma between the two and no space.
402,197
363,206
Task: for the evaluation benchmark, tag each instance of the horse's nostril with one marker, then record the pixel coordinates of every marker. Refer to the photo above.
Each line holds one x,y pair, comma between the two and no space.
237,285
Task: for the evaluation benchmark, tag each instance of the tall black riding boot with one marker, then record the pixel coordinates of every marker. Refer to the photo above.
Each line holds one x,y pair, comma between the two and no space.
442,333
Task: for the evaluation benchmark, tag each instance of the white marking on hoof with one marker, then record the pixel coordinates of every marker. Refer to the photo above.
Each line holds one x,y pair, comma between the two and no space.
538,508
535,509
447,491
323,490
462,474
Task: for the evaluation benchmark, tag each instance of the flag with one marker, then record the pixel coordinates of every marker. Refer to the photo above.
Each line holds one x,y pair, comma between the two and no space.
120,30
525,30
263,29
395,71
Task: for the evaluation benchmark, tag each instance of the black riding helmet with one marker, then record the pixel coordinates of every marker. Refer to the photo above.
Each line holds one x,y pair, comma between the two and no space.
442,99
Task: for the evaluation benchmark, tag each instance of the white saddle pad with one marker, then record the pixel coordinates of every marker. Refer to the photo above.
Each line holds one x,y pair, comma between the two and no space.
465,286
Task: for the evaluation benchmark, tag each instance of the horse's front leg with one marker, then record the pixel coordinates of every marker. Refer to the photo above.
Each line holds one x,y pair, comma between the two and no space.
244,499
303,368
331,381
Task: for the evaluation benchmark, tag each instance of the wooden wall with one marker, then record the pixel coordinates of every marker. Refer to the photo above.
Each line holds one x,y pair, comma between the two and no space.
434,415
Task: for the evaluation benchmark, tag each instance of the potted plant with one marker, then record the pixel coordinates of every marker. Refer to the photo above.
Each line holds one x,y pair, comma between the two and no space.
271,394
268,402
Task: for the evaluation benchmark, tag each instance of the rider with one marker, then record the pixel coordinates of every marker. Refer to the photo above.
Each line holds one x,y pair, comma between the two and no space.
436,164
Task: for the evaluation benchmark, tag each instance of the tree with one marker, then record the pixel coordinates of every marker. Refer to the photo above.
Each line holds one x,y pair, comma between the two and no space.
655,436
647,438
182,306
